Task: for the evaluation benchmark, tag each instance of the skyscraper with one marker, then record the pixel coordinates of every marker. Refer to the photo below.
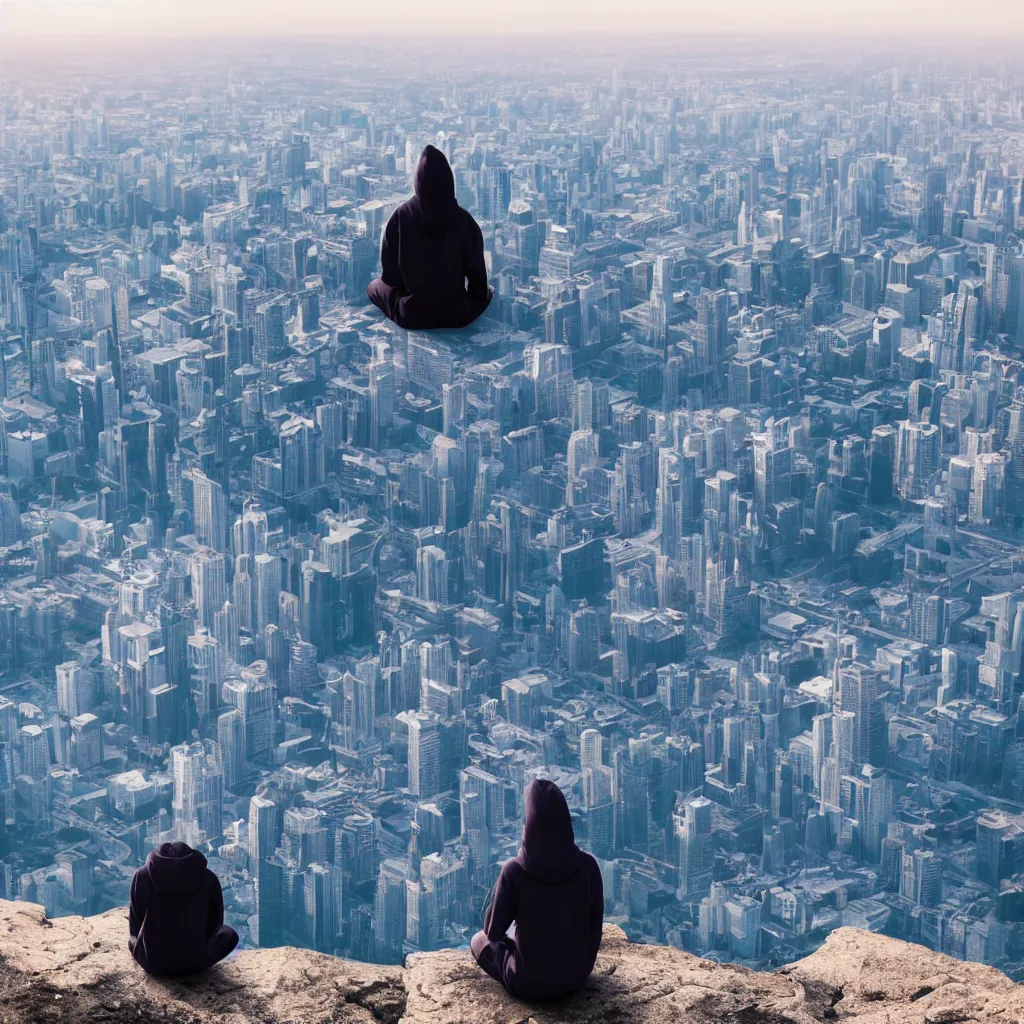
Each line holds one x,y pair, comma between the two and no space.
591,749
424,753
773,460
253,696
209,511
432,574
389,911
198,775
322,905
693,829
263,829
711,334
249,532
302,456
74,689
205,661
231,739
858,687
267,589
209,584
319,607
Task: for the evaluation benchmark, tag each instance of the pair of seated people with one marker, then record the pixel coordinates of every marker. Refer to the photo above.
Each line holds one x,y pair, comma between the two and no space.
540,937
433,274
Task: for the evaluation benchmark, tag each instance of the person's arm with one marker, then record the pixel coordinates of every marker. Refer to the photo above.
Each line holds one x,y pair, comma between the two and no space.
503,909
136,905
476,267
390,273
215,914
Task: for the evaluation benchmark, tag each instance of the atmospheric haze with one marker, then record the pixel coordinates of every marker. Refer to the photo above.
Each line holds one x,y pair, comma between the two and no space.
196,18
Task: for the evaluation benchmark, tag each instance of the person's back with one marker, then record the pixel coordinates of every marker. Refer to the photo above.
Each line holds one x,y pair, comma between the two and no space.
176,913
553,892
433,273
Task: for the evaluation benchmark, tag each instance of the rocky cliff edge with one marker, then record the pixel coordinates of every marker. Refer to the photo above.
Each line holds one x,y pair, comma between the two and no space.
75,970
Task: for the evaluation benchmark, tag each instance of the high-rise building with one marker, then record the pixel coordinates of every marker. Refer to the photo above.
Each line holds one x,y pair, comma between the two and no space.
453,406
267,586
249,532
319,607
263,829
209,584
197,802
857,690
711,335
358,838
205,661
921,877
269,341
274,909
523,698
582,452
74,689
35,752
773,462
86,746
253,696
322,904
693,830
209,510
631,778
591,749
872,807
301,451
424,752
389,911
432,573
231,739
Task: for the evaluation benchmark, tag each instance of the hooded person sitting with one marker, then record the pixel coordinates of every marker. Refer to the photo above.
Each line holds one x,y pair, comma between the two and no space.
176,914
554,894
433,274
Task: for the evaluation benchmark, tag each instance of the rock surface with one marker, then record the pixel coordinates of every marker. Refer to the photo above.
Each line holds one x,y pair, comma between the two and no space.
75,970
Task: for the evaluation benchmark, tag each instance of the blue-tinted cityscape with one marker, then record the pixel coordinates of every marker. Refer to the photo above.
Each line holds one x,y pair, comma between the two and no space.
715,518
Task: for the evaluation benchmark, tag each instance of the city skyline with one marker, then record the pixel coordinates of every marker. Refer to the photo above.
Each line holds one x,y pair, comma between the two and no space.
714,518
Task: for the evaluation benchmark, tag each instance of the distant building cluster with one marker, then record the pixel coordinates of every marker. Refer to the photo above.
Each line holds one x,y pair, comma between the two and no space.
715,519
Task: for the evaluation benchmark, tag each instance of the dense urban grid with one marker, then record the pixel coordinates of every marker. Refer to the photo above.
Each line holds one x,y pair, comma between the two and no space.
715,518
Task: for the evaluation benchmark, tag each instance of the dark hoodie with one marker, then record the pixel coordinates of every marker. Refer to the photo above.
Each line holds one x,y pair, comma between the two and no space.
554,893
432,254
176,913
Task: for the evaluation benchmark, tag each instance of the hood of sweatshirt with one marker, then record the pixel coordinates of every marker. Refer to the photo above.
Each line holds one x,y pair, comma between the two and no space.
434,204
548,852
176,867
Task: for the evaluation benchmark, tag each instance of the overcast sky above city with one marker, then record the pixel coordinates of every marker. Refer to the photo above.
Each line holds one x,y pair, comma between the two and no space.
191,18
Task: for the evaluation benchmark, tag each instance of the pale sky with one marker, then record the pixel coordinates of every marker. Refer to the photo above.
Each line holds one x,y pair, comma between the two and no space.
889,19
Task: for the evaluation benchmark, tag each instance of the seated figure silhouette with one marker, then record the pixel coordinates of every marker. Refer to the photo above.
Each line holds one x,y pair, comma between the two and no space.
176,914
554,894
433,274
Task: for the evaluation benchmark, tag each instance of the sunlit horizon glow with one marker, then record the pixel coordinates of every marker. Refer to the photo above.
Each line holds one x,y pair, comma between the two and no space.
84,20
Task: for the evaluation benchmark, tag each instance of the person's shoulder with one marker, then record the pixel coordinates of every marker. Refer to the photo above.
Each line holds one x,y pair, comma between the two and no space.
467,219
512,869
590,862
141,876
398,214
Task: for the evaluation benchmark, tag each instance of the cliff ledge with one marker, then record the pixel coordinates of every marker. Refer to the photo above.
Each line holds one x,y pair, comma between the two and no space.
75,970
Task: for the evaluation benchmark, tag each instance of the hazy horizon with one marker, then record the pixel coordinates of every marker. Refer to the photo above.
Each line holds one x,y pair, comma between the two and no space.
191,19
